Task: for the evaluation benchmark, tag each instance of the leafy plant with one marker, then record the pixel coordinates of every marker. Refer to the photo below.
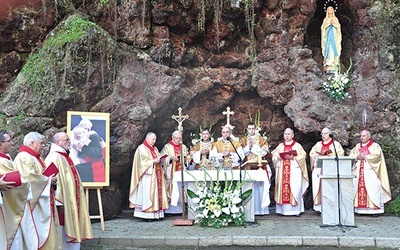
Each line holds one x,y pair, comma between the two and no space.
393,207
218,203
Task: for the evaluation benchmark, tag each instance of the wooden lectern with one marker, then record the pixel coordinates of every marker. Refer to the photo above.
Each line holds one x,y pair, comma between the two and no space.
337,196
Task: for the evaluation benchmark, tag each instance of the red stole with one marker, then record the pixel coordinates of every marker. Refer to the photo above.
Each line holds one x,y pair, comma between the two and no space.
5,156
34,154
159,175
286,190
37,156
325,147
362,190
151,148
77,182
177,152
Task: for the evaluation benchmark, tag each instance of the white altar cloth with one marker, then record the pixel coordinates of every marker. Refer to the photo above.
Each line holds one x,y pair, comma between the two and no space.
257,180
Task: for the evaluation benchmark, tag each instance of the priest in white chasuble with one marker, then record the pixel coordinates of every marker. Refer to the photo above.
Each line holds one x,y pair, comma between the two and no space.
148,193
291,176
172,166
223,150
70,197
322,148
371,185
16,208
31,166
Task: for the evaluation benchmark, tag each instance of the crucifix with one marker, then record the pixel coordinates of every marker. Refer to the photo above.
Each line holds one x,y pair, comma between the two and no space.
179,119
228,114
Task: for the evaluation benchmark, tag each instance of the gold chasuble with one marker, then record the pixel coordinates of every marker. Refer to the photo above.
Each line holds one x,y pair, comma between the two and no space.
372,182
148,194
198,158
321,148
31,167
70,193
172,149
222,145
15,208
286,183
259,142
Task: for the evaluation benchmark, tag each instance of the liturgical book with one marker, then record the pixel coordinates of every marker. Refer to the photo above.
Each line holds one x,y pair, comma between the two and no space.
51,169
291,152
13,177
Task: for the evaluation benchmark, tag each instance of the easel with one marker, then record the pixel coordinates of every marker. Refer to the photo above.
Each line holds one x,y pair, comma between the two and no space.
100,216
184,221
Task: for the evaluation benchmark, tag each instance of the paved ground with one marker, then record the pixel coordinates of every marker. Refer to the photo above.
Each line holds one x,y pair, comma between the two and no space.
126,232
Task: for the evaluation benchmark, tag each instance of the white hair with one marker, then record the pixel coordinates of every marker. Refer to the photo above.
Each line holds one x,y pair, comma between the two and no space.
176,133
85,123
32,137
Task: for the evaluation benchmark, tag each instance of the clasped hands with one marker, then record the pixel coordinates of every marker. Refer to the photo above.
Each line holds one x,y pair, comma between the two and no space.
361,156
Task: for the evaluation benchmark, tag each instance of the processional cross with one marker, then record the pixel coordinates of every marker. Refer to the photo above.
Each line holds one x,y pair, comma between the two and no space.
228,114
179,119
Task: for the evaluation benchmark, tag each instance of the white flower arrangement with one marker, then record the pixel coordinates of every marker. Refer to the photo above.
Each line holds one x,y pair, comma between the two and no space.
218,203
337,84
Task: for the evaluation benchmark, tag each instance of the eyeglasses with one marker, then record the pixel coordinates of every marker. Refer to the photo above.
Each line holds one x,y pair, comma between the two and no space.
66,140
41,143
7,140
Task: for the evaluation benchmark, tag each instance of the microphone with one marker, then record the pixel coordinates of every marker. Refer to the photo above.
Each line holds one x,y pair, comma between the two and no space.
331,135
228,138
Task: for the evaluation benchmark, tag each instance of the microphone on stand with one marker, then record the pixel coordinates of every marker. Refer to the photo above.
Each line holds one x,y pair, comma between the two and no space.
334,147
338,182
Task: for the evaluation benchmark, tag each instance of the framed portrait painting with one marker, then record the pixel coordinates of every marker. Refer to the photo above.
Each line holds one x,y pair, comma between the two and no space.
89,133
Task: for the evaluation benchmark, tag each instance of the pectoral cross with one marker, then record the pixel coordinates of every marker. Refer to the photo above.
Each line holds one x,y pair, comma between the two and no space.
228,114
179,119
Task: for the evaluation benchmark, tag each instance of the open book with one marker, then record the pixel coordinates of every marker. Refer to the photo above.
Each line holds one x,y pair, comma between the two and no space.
327,152
163,157
291,152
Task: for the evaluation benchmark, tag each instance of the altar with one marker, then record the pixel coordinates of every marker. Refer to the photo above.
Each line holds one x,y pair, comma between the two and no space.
257,180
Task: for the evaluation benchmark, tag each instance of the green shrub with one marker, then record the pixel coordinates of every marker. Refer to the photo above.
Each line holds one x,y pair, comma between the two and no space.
393,207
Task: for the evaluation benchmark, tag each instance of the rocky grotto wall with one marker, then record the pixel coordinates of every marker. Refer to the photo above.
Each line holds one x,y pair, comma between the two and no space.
140,60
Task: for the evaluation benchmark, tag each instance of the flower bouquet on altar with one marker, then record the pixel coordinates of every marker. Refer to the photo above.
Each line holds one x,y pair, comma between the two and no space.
218,203
337,84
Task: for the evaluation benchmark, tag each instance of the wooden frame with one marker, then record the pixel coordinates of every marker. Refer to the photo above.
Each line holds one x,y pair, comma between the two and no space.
89,133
